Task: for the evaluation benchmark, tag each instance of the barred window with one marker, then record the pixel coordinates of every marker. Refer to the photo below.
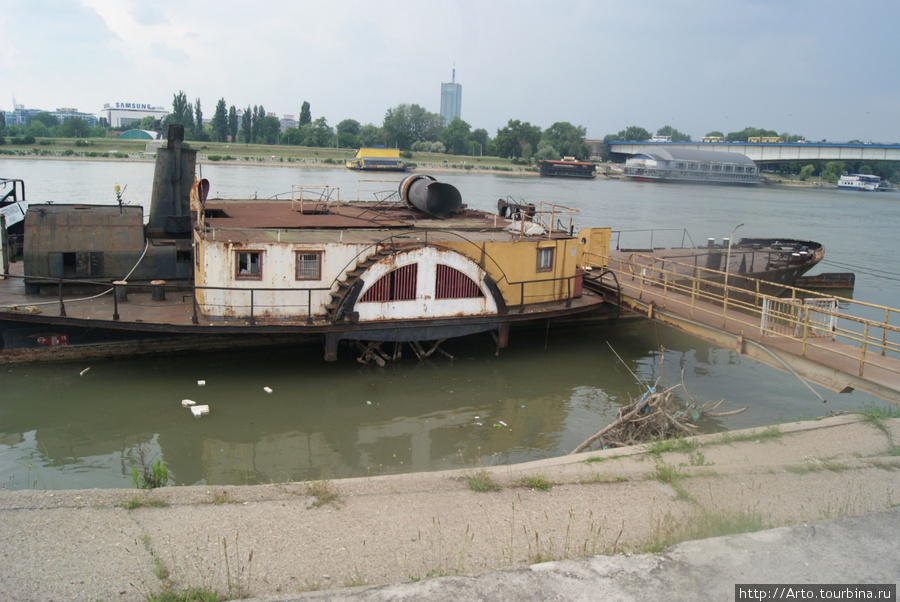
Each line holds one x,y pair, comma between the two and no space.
308,265
450,283
398,285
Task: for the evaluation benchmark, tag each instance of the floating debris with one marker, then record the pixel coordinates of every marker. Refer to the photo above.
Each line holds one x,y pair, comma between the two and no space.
267,389
654,416
199,411
187,402
82,373
201,383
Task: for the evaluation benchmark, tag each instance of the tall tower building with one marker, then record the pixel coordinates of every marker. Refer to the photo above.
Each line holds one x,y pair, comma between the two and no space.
451,100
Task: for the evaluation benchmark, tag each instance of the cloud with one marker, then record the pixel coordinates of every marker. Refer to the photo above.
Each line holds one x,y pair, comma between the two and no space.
697,65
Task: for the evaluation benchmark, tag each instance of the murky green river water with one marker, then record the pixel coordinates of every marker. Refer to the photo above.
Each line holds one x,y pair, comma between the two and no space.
551,389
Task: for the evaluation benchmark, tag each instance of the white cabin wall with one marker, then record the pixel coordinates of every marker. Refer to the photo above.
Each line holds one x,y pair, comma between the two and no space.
217,268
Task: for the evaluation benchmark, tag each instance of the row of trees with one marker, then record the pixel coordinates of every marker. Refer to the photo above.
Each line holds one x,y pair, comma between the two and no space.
45,125
639,133
407,127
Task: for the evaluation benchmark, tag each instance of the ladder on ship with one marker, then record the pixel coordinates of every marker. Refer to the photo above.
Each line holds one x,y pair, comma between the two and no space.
840,344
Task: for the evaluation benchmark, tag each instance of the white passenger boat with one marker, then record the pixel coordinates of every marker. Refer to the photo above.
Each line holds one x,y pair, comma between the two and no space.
855,181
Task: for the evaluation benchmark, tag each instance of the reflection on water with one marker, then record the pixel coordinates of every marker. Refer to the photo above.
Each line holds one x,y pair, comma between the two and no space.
541,397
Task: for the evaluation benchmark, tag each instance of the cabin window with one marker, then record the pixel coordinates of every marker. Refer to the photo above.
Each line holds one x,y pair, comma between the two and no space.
450,283
398,285
248,265
544,260
308,265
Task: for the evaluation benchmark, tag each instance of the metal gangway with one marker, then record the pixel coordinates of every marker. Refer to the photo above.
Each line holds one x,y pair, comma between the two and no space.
841,344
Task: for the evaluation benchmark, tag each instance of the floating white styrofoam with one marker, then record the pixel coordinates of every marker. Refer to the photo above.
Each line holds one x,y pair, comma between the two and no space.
198,411
187,402
201,383
83,371
267,389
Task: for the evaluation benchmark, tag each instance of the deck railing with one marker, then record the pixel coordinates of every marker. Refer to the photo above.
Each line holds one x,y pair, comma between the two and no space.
158,291
250,295
799,314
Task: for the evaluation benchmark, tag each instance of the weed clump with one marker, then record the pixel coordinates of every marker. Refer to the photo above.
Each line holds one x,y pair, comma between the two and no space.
146,474
481,482
323,493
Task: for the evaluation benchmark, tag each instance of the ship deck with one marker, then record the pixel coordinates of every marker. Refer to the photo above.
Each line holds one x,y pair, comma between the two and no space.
173,312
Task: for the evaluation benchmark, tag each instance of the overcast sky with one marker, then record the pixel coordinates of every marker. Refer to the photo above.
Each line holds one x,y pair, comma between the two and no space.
822,69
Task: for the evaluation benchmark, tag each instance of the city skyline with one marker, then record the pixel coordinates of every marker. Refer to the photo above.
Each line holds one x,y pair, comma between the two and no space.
800,68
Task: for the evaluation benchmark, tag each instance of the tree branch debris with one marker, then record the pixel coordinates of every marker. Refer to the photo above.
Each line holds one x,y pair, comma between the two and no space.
654,416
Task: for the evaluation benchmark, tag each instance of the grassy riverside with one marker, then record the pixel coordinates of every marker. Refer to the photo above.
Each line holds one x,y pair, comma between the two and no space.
115,149
118,149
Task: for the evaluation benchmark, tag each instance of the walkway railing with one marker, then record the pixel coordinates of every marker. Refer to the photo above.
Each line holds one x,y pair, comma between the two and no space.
806,316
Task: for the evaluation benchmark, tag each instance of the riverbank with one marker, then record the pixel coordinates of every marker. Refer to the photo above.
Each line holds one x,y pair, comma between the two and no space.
280,540
468,165
442,167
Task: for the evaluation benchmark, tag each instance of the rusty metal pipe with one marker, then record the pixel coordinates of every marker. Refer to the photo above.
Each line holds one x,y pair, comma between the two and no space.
430,196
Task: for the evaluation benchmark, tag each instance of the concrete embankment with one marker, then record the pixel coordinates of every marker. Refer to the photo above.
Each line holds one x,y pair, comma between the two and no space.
603,519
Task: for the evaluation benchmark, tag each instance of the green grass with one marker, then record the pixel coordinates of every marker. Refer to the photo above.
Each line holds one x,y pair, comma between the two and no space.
698,458
880,412
876,415
593,459
136,501
799,468
222,498
602,479
189,595
708,523
834,466
100,147
770,432
678,444
539,482
889,466
323,493
481,482
668,474
816,464
719,523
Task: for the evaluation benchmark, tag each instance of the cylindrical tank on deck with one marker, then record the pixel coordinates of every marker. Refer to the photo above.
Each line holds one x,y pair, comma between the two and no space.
430,196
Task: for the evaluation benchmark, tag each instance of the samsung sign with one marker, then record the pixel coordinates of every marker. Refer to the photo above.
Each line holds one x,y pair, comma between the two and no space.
137,106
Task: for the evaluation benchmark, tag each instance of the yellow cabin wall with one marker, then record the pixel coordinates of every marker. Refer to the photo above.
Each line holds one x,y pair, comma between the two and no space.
594,246
512,263
387,153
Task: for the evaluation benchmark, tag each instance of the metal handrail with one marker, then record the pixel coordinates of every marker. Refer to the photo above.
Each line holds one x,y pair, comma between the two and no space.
616,235
114,287
168,286
698,294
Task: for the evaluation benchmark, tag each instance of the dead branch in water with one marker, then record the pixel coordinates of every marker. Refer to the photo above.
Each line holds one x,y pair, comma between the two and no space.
654,416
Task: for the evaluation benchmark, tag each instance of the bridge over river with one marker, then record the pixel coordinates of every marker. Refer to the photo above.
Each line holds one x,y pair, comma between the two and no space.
762,152
840,344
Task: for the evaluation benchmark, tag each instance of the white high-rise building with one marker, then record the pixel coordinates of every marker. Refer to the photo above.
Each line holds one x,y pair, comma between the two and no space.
451,100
